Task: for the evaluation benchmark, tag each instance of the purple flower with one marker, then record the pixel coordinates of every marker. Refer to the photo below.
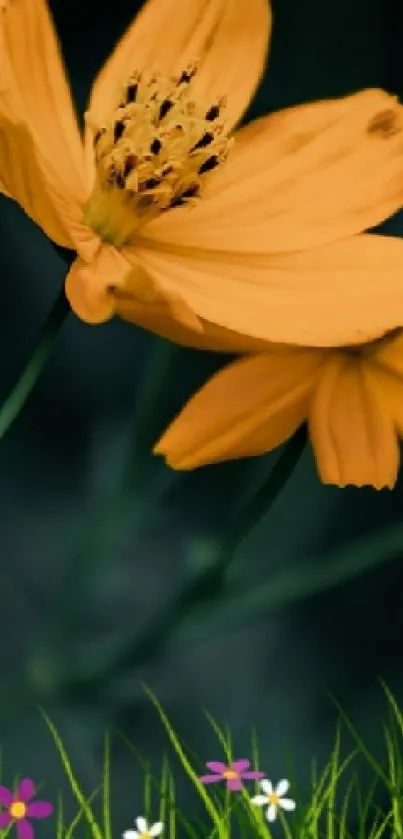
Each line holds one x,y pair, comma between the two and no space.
18,810
233,774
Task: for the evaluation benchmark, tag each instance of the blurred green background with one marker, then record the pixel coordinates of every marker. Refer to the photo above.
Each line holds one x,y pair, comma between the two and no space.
97,538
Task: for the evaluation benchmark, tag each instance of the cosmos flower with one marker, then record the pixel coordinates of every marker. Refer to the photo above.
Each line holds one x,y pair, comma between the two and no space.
176,226
144,830
351,398
18,809
233,774
274,798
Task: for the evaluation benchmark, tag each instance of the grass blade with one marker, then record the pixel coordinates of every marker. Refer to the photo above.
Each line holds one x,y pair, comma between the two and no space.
106,789
87,811
211,809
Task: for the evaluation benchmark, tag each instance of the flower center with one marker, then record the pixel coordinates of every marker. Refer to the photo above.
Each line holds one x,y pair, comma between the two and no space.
273,799
156,152
230,774
18,810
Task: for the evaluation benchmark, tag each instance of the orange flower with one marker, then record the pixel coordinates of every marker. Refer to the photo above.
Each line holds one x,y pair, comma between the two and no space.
351,398
176,227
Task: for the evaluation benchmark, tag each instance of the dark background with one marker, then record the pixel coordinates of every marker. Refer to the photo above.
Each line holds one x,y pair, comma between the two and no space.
97,538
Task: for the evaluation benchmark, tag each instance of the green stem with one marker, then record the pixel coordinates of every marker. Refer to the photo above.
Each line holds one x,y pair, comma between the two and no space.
16,400
199,590
266,496
111,516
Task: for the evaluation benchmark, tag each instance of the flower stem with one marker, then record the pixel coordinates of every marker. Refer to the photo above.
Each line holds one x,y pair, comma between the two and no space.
111,516
16,400
207,583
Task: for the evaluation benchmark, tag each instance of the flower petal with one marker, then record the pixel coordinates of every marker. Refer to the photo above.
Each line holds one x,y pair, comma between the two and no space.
156,829
389,382
158,319
24,829
210,779
140,294
267,787
343,293
26,790
39,810
240,765
87,285
42,90
248,408
390,355
216,766
351,429
229,38
252,776
5,820
130,834
234,784
282,787
300,178
111,285
142,824
271,813
26,177
259,800
6,796
287,804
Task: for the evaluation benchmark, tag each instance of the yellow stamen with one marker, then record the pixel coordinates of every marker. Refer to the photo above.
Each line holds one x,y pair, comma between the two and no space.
230,774
155,153
18,810
273,799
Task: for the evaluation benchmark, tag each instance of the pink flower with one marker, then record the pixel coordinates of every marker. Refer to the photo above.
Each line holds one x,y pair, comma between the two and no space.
18,810
233,774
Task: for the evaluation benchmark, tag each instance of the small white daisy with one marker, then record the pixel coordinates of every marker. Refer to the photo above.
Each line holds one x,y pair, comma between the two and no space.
274,798
144,830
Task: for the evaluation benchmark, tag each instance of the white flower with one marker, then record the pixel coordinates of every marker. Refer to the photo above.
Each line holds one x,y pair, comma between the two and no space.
144,830
274,798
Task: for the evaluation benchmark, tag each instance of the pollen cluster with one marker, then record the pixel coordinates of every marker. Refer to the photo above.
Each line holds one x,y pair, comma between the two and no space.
155,153
18,809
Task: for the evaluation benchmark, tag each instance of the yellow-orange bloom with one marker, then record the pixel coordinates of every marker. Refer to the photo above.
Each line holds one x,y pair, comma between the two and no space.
176,227
351,398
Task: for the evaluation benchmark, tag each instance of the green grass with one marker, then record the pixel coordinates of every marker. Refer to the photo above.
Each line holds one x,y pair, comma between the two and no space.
333,801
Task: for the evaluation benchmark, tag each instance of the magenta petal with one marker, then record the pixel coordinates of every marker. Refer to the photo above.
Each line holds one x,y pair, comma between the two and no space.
6,796
210,779
5,819
234,784
253,776
39,810
240,765
26,790
216,766
24,829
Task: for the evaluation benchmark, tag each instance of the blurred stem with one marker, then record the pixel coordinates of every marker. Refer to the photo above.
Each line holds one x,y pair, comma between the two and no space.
263,500
112,514
156,375
16,400
228,813
198,590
